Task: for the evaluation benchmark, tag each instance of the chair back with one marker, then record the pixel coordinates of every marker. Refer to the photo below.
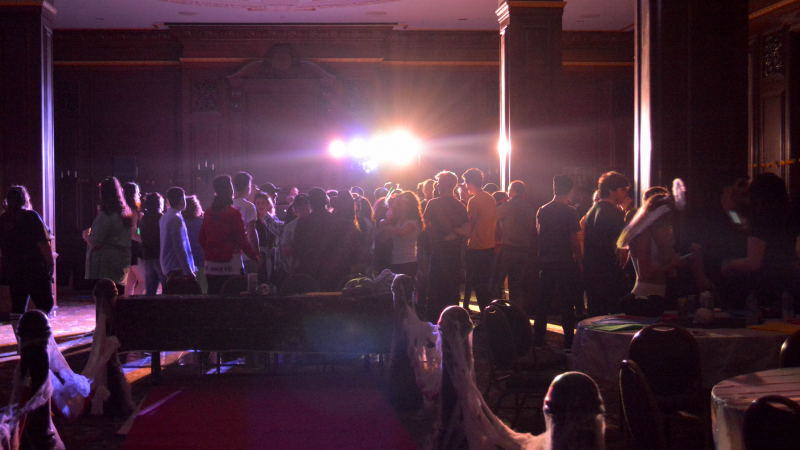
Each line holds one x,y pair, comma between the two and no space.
182,286
502,350
234,285
519,325
668,357
767,426
790,351
641,411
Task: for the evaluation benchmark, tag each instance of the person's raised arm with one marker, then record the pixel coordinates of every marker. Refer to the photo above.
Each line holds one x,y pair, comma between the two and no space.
752,262
95,235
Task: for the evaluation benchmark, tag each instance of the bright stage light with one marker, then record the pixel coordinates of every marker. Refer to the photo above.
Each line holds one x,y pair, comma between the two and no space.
403,147
502,147
358,148
396,148
338,149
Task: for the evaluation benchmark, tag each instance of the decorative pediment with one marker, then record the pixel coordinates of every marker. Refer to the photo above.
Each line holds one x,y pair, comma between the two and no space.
281,65
282,62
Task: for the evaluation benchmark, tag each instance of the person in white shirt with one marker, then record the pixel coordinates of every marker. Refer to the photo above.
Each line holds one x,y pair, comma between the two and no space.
176,251
242,186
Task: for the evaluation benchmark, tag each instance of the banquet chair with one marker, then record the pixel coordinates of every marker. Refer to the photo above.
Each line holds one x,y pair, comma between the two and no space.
640,409
182,286
772,427
299,283
669,359
513,369
790,351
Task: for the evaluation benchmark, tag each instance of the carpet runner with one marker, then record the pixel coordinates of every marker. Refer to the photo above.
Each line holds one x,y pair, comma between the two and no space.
233,411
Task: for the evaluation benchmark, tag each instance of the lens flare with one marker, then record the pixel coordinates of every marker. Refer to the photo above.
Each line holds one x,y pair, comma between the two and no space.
338,149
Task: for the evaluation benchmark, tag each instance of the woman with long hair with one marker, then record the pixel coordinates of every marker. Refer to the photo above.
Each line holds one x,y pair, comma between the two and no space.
770,244
650,240
269,230
347,258
382,240
405,226
365,224
223,237
26,257
193,216
135,284
109,238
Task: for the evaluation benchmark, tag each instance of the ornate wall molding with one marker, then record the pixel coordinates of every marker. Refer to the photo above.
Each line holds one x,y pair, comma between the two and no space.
773,55
137,37
205,95
446,39
324,44
278,32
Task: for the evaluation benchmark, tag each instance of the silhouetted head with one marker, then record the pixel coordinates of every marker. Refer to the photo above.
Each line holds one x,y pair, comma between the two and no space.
33,326
573,410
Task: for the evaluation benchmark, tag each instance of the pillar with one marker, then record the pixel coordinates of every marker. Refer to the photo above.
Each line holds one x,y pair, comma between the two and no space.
530,69
26,103
691,116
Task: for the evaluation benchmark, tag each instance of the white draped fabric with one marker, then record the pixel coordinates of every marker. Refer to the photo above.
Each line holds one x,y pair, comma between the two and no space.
104,347
483,429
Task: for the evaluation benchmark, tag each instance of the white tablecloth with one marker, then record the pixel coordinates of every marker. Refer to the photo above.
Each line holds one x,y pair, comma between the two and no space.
724,352
730,399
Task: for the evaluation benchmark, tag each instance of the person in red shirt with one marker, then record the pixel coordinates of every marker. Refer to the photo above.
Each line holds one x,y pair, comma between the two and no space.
223,237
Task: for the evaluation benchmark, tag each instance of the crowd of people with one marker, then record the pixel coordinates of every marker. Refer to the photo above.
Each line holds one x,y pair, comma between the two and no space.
453,235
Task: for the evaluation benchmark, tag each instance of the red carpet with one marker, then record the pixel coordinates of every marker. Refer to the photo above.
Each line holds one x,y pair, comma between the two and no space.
230,412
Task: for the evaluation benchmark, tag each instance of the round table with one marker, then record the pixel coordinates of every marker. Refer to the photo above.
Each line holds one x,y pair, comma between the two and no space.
730,399
724,352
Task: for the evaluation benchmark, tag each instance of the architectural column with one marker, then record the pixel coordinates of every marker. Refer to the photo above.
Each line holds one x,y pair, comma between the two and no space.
26,102
691,114
530,69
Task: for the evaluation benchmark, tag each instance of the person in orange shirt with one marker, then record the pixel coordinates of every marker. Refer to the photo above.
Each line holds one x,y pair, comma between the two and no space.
482,210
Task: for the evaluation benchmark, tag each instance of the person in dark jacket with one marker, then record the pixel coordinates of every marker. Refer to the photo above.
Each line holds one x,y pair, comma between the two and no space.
151,242
26,257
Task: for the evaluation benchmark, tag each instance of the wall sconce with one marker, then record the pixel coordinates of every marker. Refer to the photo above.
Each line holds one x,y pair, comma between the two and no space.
205,173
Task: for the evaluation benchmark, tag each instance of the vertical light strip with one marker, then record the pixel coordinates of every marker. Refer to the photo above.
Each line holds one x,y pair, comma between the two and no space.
504,142
642,152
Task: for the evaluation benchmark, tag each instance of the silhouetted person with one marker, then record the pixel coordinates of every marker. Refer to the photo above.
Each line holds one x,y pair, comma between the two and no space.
561,261
443,216
26,257
602,269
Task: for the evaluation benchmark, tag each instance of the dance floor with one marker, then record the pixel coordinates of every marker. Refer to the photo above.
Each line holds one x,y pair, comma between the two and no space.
249,411
74,319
